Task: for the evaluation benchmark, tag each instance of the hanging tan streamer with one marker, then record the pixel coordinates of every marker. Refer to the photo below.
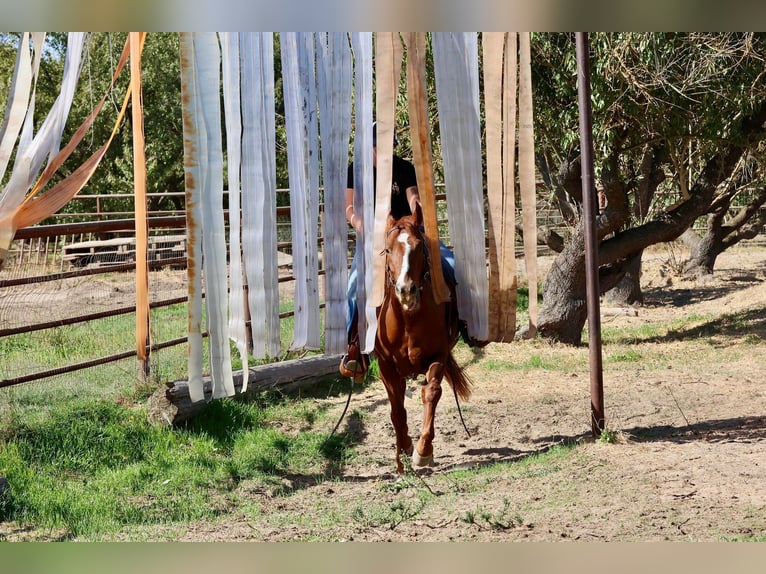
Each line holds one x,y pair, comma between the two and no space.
421,148
388,68
139,188
492,52
499,100
508,270
527,176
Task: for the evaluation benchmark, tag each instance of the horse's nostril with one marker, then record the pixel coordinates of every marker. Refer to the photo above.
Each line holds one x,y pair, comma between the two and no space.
406,290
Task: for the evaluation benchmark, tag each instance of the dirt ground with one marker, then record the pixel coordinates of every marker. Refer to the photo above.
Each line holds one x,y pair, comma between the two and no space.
685,406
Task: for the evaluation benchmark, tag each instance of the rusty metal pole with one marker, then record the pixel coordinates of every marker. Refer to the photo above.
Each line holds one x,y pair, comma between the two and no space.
590,204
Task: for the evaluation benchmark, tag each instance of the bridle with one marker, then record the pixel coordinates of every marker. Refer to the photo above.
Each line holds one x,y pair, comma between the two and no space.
426,275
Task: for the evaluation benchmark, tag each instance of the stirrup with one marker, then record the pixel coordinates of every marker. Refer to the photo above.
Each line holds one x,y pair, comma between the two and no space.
354,364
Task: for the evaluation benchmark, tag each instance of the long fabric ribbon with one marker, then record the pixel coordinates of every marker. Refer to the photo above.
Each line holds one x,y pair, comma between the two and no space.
334,74
300,118
361,43
388,67
527,175
456,69
421,148
500,81
203,162
141,214
259,191
233,120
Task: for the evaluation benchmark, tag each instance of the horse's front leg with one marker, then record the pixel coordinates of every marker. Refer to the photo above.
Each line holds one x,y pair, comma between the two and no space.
430,392
395,387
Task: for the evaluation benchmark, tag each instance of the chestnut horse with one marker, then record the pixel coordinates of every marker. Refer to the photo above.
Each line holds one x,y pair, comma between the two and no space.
415,336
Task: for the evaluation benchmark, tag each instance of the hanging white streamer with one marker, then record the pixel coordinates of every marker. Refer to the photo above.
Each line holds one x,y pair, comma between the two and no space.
231,99
300,118
307,62
56,118
18,123
334,69
193,169
18,99
18,183
456,69
35,148
259,191
203,151
364,203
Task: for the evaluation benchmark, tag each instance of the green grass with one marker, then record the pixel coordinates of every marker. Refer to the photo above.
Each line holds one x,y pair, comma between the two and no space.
531,363
626,356
657,331
522,298
96,467
82,459
536,465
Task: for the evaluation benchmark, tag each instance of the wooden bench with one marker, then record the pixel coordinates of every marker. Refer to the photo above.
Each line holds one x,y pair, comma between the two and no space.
120,250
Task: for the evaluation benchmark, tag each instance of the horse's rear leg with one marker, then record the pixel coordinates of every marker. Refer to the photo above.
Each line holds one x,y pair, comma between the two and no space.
395,387
430,393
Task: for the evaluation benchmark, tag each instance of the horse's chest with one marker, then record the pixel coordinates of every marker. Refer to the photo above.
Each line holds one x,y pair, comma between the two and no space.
411,342
421,347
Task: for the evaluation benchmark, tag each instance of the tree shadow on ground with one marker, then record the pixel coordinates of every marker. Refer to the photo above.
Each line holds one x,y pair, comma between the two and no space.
747,429
664,297
750,322
490,456
739,429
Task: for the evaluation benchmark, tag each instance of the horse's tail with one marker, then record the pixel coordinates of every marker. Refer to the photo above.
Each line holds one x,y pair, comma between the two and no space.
458,378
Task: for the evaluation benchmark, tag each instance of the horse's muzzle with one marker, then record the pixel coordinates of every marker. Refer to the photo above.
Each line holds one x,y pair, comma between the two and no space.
408,295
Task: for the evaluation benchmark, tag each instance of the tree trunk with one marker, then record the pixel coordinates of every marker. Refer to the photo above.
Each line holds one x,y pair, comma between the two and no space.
565,309
703,254
704,251
628,291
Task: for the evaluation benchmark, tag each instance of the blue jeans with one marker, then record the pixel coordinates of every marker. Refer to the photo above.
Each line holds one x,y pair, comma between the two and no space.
448,268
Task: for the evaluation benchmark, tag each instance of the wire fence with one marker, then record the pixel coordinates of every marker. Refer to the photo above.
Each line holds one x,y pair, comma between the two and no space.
67,300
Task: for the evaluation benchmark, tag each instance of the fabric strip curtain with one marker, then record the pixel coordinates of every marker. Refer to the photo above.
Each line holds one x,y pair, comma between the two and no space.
203,161
259,191
456,69
233,121
420,131
500,82
334,73
388,67
17,131
527,175
361,43
302,161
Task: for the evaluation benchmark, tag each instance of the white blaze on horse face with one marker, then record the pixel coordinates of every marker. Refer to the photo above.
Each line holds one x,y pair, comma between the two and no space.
404,291
404,240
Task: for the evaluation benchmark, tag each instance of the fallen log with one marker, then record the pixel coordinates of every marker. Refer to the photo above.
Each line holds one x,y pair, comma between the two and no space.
172,404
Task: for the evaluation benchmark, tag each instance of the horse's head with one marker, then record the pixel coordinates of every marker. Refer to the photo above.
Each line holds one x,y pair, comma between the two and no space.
406,262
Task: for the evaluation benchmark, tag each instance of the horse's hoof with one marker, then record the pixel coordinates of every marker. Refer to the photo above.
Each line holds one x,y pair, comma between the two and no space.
421,461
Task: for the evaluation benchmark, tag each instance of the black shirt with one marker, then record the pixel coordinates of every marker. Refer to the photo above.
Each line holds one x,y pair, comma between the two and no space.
402,177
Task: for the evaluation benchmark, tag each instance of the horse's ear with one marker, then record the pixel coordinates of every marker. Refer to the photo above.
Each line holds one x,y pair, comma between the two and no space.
418,213
391,221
